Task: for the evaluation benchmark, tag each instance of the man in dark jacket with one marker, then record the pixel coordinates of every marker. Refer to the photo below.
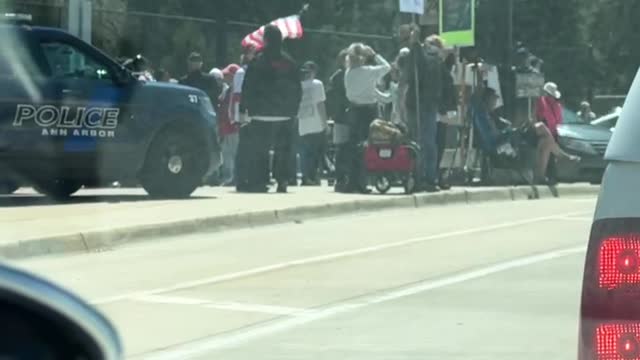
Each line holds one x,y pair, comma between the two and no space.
200,80
271,95
207,83
425,88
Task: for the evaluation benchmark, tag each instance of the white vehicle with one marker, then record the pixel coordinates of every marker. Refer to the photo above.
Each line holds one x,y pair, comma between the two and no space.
610,310
610,120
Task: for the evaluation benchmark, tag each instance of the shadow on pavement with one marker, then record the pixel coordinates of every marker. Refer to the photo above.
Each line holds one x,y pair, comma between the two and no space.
39,200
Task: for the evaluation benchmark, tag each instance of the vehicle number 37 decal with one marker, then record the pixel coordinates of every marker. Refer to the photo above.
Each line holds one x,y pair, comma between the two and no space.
193,99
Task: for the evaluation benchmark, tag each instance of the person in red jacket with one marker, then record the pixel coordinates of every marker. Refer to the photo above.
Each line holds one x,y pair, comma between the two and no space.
228,128
548,116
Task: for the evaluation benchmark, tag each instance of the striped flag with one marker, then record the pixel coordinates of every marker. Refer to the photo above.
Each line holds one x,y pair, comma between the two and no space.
291,28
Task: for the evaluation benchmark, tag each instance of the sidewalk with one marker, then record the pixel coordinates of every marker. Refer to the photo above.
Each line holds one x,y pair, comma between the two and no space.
105,218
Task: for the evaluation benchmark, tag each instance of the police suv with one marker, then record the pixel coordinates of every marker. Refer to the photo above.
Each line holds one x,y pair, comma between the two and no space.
610,311
70,116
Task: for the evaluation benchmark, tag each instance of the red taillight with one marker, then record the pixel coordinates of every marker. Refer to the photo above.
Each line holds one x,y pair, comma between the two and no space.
618,342
610,310
619,262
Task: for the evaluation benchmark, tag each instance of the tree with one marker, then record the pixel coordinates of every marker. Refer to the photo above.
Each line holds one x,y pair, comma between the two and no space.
109,23
615,38
555,31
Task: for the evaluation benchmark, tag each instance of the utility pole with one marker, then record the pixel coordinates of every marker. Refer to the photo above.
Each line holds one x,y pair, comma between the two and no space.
511,91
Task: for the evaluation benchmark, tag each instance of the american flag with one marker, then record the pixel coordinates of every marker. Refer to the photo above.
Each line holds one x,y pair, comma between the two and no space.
291,28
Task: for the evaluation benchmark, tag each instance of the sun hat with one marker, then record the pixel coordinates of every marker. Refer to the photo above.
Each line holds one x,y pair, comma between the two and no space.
552,89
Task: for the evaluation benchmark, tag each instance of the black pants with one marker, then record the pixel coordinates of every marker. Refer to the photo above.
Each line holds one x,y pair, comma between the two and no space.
360,118
313,146
252,160
276,135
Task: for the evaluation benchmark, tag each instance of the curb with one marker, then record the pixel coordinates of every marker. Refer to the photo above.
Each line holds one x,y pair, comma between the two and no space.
107,239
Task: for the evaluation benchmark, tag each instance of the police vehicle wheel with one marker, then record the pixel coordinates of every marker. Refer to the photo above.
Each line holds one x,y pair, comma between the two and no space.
8,187
58,189
175,164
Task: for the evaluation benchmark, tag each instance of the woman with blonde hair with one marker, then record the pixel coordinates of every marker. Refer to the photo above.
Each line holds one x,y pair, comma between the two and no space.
360,83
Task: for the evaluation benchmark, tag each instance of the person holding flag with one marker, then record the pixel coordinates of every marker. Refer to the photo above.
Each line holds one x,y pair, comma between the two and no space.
271,95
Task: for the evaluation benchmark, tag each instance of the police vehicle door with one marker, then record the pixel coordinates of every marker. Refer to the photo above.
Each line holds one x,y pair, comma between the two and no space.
91,107
21,84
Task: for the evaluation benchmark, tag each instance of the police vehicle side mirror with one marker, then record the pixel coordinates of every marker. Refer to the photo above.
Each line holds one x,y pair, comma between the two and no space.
42,321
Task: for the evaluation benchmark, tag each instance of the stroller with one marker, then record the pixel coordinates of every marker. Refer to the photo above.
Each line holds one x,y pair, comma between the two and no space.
389,158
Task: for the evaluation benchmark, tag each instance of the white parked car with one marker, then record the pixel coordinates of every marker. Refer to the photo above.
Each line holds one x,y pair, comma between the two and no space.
610,120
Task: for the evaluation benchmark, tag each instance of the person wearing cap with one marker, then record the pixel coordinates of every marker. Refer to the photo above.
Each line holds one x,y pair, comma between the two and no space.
271,95
548,117
198,79
228,130
312,124
585,114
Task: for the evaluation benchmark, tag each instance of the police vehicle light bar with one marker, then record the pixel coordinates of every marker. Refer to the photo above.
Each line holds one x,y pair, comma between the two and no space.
16,18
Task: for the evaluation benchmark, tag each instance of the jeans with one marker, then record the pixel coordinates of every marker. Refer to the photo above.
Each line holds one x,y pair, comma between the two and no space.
296,150
312,155
426,130
229,146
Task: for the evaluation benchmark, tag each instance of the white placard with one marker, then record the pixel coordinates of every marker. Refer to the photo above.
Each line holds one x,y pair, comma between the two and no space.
412,6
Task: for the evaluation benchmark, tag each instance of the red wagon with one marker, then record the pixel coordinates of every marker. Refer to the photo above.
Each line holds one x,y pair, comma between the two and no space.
392,164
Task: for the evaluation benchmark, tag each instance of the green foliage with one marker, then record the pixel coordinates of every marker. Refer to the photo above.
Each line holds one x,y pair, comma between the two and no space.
615,38
555,31
562,32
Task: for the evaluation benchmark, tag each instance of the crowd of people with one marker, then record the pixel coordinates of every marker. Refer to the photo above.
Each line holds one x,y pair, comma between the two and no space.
270,110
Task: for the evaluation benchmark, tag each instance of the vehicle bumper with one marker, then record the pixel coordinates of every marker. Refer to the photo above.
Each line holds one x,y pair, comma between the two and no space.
590,168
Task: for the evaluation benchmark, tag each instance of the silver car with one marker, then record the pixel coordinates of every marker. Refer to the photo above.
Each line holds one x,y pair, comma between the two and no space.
587,141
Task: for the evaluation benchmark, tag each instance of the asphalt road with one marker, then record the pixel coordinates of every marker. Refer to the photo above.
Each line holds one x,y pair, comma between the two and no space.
490,281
